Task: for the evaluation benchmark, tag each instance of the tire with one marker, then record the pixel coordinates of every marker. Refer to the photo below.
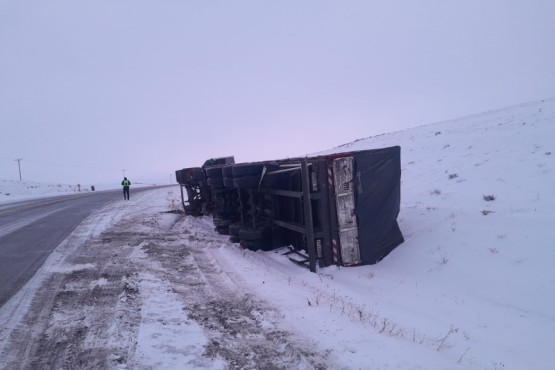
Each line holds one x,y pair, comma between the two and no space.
243,182
198,173
228,182
215,172
246,169
227,171
234,229
264,245
215,181
220,222
257,234
222,230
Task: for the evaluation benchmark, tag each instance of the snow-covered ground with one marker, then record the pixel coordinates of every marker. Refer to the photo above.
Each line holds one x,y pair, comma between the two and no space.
472,287
13,190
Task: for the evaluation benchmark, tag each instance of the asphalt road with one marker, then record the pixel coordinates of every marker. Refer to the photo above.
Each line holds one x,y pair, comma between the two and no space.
30,230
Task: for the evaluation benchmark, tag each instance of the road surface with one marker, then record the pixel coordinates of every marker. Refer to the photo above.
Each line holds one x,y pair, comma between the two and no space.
31,229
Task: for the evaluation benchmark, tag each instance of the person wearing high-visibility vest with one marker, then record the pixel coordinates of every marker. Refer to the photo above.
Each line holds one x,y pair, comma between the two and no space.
126,184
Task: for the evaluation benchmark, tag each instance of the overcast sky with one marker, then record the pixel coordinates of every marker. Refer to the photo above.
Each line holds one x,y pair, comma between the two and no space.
88,88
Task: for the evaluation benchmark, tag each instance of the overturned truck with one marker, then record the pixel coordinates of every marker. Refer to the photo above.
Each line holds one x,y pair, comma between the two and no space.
339,208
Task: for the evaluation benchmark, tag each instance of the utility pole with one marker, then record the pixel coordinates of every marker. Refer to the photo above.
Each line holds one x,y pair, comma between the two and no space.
123,172
19,166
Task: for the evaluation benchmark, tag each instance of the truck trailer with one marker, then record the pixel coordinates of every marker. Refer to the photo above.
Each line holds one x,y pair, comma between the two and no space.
338,208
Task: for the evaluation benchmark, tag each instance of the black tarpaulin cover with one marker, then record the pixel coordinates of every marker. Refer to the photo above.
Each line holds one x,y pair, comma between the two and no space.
377,178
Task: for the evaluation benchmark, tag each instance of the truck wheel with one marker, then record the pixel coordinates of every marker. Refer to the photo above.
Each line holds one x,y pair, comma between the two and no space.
242,182
260,233
264,245
215,181
234,229
215,171
246,169
220,222
227,171
222,230
228,182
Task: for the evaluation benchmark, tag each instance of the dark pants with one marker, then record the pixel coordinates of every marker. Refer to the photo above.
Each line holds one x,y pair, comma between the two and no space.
126,192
